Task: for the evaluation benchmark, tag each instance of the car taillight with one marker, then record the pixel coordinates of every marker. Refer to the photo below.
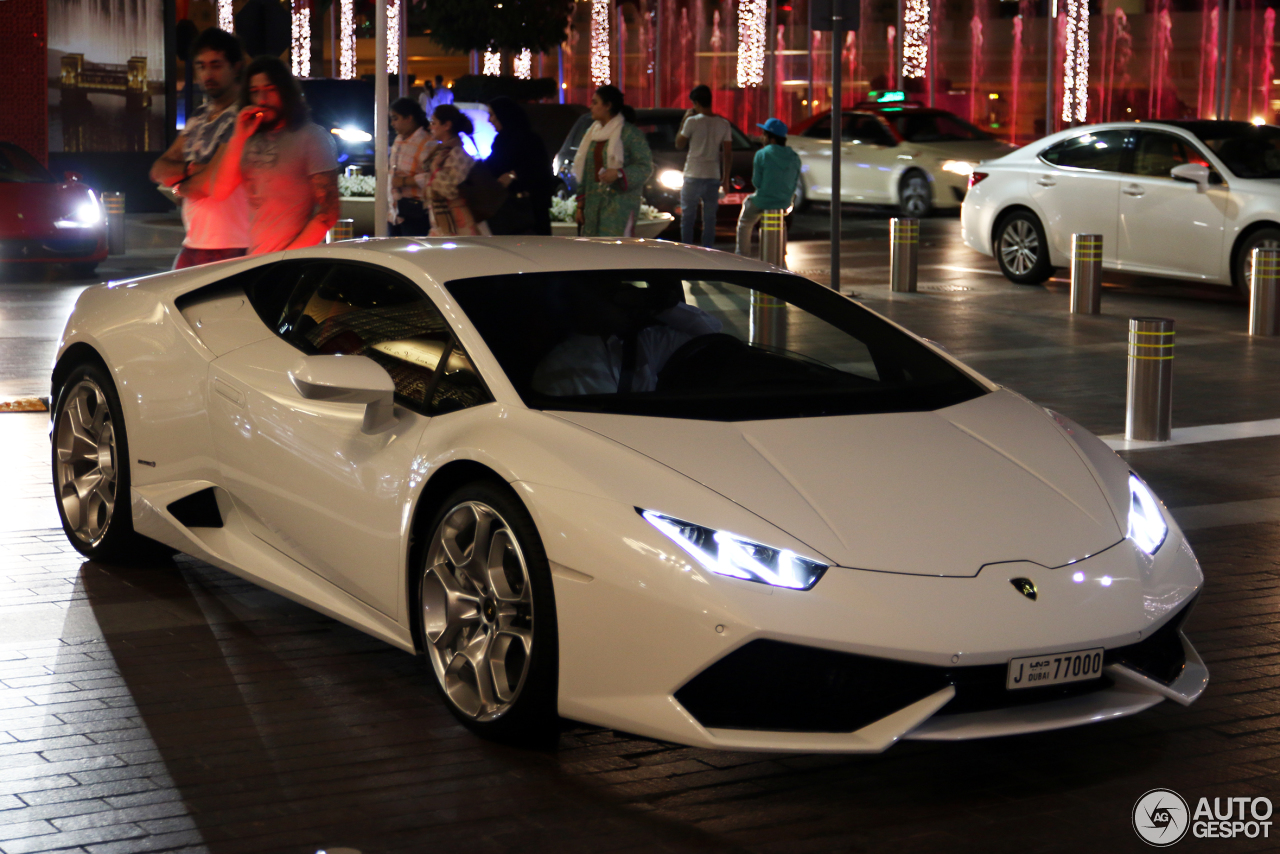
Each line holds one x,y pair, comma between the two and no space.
975,177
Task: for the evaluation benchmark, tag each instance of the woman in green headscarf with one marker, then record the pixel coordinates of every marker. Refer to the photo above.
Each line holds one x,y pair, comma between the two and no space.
611,166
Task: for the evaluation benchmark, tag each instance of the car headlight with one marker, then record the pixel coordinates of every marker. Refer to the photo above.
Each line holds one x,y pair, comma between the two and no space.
672,179
86,215
556,164
350,134
725,554
958,167
1147,527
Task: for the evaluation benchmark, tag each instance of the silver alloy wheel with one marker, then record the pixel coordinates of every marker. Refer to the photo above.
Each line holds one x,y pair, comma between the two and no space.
1248,260
477,611
85,473
916,196
1019,247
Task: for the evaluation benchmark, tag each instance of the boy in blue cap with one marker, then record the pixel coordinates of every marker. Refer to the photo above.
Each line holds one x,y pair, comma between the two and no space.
774,173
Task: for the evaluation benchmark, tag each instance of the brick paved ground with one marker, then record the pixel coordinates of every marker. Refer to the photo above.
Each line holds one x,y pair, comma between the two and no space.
173,707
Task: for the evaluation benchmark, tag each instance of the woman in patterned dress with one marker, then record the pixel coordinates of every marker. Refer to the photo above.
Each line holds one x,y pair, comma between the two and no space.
407,214
611,166
446,168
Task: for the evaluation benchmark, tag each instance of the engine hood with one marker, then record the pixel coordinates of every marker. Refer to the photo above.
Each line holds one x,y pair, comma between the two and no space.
924,493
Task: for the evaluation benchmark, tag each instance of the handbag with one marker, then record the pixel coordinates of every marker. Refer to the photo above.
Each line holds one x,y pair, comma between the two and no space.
416,219
514,217
482,192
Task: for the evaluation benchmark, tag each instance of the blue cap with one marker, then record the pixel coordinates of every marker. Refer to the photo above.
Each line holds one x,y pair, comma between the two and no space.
777,127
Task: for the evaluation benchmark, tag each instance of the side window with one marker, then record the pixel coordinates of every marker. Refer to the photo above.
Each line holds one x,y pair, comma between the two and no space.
1102,151
867,129
355,310
1157,153
821,129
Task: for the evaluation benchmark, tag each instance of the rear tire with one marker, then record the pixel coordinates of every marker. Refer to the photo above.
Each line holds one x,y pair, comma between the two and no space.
1242,263
487,616
90,460
1021,249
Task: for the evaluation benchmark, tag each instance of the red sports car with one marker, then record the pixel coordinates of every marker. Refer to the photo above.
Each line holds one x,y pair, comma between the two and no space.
43,220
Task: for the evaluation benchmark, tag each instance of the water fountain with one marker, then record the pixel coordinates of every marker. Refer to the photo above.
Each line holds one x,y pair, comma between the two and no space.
1161,45
1268,69
1016,79
975,66
1208,61
891,73
850,55
687,58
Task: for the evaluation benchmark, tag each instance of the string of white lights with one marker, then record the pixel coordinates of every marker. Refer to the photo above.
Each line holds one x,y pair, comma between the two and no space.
600,58
492,63
753,19
226,21
1075,62
524,64
347,40
393,36
300,51
915,39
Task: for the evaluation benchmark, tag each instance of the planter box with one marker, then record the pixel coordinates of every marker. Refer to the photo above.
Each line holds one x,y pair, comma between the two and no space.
644,227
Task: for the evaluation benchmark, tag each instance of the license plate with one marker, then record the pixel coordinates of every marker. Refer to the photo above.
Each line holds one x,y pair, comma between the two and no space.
1056,668
733,198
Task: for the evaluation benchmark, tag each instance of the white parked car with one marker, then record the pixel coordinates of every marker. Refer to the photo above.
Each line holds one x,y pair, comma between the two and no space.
646,486
1184,199
915,158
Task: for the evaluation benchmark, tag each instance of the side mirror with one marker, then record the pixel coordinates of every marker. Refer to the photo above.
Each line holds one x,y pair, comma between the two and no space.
349,379
1194,173
72,177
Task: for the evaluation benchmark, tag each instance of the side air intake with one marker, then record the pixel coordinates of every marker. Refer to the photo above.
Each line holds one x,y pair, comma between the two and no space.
197,510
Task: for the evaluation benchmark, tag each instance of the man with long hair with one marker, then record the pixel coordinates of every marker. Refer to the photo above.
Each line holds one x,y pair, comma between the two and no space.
216,229
284,160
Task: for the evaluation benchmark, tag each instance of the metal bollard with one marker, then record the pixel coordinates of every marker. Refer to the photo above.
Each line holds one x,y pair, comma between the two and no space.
768,321
1086,273
1149,401
1262,292
773,238
904,254
113,204
343,229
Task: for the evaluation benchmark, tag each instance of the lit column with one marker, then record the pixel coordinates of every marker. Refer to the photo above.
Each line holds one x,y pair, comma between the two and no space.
753,24
393,35
300,50
1075,62
600,50
226,21
524,64
492,63
915,44
347,40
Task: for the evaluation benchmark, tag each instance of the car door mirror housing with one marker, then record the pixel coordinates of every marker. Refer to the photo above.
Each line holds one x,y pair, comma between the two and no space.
1194,173
349,379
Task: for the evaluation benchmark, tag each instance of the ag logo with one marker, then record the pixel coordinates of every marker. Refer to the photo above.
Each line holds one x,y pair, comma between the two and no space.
1161,818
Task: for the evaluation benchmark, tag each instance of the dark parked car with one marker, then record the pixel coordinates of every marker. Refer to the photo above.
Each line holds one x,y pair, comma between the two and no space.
662,190
44,220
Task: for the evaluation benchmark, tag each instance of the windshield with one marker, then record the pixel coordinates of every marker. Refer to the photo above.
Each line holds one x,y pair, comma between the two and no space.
701,344
18,167
935,127
1248,151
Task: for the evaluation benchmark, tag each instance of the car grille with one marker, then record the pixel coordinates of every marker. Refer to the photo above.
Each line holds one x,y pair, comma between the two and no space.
65,247
776,686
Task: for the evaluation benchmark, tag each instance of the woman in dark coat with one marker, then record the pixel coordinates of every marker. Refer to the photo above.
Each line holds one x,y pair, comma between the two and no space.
519,160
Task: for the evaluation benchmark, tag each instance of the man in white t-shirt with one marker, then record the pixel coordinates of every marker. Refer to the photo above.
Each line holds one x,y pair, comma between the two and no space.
216,229
706,170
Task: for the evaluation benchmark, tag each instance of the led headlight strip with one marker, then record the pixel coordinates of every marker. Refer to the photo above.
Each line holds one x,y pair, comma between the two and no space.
1147,527
726,554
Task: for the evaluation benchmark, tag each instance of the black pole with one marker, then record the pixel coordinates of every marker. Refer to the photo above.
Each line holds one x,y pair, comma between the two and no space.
837,72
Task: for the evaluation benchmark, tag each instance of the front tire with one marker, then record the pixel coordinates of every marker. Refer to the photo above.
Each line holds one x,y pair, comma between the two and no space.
91,466
487,616
1022,250
1242,265
915,195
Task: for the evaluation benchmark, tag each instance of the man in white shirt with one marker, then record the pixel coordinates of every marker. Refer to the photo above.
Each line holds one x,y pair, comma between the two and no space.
441,95
710,143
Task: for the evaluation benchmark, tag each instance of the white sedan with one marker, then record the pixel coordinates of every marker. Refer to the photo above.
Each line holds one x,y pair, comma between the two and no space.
915,158
1183,199
646,486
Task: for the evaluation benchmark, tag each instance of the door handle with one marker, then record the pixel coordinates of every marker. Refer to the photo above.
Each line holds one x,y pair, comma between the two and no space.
1046,181
1133,190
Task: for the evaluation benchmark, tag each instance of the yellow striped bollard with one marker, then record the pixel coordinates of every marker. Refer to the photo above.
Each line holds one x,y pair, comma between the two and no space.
1263,277
1149,400
1086,273
904,250
773,238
